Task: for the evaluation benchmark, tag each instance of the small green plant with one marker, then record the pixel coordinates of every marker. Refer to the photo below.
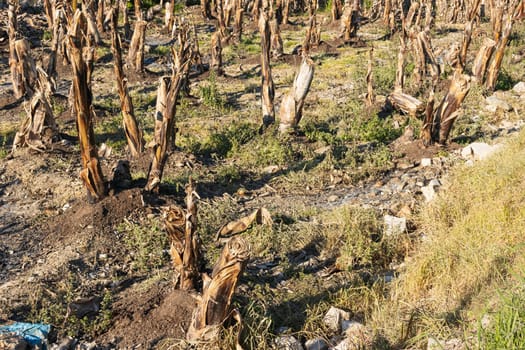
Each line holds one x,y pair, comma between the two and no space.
47,35
161,50
147,245
507,329
210,94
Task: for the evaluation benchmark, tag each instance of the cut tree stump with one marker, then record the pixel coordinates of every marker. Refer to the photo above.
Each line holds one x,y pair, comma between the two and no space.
291,110
448,109
136,47
214,306
267,86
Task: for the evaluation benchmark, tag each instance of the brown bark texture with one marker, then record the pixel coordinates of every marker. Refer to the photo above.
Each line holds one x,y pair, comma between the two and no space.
131,128
91,174
291,110
215,305
482,59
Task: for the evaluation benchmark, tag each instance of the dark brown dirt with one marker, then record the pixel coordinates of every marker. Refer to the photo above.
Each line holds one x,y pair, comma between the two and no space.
145,317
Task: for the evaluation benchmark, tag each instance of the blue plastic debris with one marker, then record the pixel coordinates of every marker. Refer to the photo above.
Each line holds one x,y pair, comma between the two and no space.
33,333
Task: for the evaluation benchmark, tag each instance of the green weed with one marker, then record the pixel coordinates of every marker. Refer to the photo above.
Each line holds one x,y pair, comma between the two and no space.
147,245
507,329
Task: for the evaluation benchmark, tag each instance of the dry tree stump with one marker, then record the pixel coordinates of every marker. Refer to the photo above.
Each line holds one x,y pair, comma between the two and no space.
181,226
136,47
267,86
291,110
131,128
214,307
91,174
479,67
167,97
436,129
216,53
39,129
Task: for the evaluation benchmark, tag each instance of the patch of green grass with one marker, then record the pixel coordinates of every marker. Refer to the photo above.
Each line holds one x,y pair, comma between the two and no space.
55,309
161,50
147,244
210,93
507,327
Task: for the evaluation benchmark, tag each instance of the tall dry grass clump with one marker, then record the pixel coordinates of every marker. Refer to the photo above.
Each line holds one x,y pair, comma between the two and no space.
472,243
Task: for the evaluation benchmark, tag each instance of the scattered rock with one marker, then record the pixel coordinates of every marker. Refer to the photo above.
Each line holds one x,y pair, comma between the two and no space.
333,198
519,88
452,344
426,162
429,191
493,103
271,169
335,317
394,225
356,337
316,344
479,150
12,342
288,342
322,150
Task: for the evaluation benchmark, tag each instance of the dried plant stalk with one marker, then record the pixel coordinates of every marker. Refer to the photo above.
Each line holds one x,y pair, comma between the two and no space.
291,110
167,97
39,127
131,128
448,109
181,226
136,47
495,65
482,59
259,216
267,86
406,103
370,97
91,174
215,305
216,53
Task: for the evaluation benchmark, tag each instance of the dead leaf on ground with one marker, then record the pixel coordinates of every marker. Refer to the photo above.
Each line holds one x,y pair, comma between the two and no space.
260,216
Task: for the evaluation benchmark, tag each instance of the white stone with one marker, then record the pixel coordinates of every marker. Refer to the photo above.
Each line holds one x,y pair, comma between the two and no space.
394,225
316,344
355,337
426,162
428,192
519,88
452,344
288,342
334,318
494,103
271,169
479,150
434,183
